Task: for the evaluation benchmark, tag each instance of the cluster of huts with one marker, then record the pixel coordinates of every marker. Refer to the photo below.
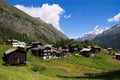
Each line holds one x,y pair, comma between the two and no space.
17,55
111,51
87,51
47,51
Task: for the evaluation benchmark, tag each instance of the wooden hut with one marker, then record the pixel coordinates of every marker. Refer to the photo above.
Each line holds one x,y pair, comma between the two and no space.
15,56
33,45
87,52
117,56
41,51
64,47
65,51
74,48
9,42
110,51
96,49
57,53
47,53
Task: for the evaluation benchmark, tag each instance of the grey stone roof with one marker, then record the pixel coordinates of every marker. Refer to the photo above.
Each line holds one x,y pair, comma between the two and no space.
10,50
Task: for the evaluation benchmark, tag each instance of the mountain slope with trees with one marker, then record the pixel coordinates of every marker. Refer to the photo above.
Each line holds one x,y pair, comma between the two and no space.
14,21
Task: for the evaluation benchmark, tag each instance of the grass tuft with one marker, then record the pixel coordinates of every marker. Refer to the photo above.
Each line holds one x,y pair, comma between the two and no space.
37,68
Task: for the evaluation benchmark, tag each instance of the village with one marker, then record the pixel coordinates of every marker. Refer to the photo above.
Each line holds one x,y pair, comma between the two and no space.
59,39
17,55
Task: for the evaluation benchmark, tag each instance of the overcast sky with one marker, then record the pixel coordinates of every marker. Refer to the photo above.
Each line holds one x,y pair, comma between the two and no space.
73,17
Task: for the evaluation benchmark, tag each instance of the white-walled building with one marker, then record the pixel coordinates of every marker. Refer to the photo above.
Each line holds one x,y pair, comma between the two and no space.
18,44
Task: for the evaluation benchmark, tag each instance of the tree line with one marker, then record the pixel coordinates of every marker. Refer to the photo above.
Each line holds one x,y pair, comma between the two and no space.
79,43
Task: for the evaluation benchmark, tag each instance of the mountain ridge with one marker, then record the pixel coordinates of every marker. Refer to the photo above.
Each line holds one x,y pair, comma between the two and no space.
110,37
92,34
33,29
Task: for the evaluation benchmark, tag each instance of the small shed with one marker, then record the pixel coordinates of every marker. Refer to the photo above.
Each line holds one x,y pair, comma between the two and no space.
117,56
87,52
96,49
15,56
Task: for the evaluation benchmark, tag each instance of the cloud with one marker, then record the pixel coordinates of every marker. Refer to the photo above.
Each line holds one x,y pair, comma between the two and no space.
115,18
92,34
67,16
48,13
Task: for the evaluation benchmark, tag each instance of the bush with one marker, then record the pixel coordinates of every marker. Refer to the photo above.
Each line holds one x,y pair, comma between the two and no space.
38,68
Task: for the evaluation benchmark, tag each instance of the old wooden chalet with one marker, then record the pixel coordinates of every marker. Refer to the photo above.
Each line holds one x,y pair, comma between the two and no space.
33,45
110,51
96,49
65,48
87,52
57,53
65,51
15,56
117,56
42,51
60,52
74,48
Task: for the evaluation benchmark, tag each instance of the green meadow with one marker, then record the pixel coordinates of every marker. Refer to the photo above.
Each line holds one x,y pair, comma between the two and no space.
75,67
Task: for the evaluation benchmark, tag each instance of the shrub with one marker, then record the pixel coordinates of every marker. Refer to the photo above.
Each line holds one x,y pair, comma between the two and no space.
37,68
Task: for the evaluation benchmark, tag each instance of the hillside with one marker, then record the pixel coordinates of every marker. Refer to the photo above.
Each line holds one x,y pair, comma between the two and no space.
16,24
101,67
110,37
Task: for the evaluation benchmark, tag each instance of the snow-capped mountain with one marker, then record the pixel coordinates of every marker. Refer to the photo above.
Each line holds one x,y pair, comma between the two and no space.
92,34
110,37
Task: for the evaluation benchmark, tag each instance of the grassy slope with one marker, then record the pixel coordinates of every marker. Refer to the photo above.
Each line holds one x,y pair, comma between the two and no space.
55,69
100,61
